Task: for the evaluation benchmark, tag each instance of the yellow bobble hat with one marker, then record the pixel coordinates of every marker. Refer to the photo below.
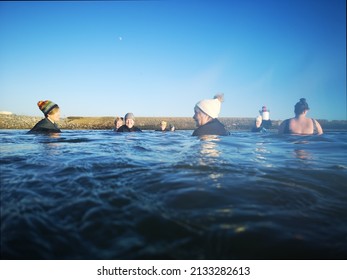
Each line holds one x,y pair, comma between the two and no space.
211,107
46,106
259,119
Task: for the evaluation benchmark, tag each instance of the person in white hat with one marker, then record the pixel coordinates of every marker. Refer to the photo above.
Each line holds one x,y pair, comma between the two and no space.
265,114
206,117
129,124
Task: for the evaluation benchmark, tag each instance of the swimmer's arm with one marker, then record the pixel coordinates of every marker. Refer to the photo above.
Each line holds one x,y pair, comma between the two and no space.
319,128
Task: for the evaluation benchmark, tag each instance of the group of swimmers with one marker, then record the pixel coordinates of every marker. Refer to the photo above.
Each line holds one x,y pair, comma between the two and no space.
119,125
206,114
262,122
300,124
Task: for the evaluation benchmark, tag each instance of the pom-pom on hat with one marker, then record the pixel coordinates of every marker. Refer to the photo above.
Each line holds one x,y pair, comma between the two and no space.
211,107
129,116
46,106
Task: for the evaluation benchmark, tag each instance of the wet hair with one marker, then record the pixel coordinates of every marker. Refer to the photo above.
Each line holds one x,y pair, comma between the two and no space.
301,106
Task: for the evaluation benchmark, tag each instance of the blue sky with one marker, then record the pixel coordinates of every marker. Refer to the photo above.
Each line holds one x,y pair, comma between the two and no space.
159,58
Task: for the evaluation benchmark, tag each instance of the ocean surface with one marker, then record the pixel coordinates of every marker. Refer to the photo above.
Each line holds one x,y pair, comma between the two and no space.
91,194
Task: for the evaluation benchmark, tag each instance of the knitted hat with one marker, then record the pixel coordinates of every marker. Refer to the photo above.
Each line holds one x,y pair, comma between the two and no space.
211,107
46,106
129,116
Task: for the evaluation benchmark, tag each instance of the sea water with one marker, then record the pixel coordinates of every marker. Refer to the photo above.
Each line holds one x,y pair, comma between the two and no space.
92,194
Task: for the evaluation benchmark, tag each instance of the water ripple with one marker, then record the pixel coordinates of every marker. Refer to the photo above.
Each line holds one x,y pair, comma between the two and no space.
105,195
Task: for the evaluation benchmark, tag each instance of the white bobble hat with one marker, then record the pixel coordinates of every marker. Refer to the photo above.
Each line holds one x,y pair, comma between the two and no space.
211,107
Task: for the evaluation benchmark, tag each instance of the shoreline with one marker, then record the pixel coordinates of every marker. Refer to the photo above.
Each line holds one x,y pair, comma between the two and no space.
145,123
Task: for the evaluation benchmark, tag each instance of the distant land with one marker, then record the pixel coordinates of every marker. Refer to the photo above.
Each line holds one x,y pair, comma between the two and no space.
12,121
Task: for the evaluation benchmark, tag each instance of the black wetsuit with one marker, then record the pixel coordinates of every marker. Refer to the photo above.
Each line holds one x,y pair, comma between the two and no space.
288,131
258,129
266,124
124,128
214,127
45,126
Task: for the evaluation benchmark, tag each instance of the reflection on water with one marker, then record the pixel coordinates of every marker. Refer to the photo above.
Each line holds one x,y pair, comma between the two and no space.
209,146
210,154
101,195
302,154
261,153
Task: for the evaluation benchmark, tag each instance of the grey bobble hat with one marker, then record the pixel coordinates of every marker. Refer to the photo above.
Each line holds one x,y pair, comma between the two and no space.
129,116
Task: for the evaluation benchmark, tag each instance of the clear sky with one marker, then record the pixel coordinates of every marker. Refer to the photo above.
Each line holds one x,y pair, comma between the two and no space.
159,58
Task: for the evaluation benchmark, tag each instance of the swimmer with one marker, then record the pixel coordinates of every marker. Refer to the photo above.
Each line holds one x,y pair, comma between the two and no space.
258,127
129,124
165,127
52,115
300,124
265,115
206,117
118,122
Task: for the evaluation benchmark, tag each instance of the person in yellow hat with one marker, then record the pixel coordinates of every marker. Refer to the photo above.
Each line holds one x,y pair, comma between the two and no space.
258,125
164,127
52,116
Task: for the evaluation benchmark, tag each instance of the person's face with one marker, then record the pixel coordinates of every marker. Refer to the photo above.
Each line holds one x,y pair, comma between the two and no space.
129,123
199,117
119,123
55,116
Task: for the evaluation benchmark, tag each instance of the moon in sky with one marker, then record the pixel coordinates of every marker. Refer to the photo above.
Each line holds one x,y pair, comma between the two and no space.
120,38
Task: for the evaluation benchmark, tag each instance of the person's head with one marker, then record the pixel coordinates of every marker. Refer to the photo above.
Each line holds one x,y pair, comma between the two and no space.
118,122
49,109
129,120
207,109
163,125
301,107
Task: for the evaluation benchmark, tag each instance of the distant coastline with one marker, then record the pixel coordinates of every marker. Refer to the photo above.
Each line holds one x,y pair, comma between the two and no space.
12,121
